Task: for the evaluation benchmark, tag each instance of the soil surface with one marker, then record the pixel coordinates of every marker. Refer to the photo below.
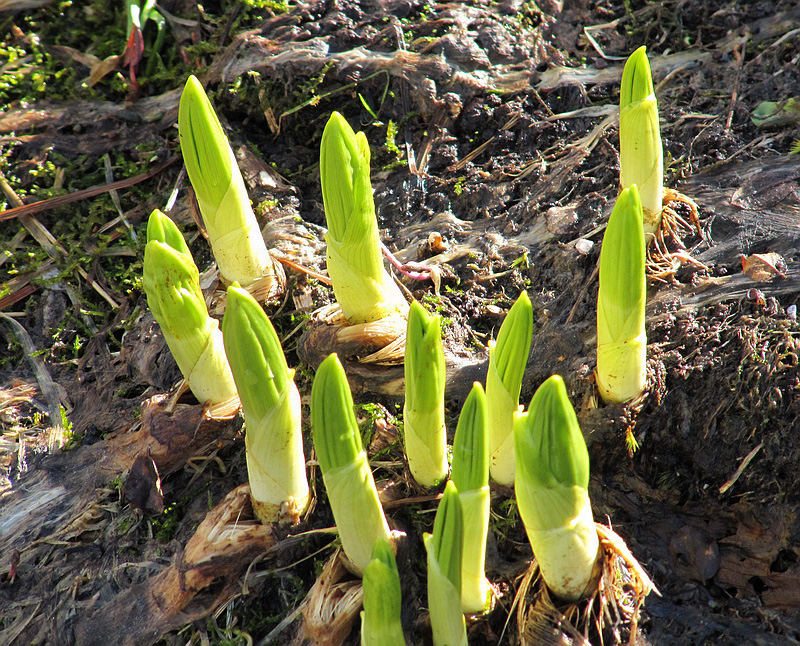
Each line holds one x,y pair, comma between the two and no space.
494,135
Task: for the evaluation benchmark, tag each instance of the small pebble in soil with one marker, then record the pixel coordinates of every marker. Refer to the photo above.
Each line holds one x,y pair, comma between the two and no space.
755,296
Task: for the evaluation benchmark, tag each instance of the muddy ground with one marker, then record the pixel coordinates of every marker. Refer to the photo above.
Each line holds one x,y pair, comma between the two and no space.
492,126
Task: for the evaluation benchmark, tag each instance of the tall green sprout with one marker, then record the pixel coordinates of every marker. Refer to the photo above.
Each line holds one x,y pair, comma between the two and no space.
552,491
276,465
508,357
641,155
230,223
345,470
423,412
364,289
621,372
471,477
444,549
172,284
380,619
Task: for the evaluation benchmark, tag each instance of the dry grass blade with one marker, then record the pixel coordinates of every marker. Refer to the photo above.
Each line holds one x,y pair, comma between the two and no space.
46,383
63,200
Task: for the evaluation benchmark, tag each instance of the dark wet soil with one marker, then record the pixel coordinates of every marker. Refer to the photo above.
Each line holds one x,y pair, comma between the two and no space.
504,143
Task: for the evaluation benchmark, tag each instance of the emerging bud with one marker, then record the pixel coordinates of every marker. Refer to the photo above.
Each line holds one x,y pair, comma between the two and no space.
621,337
423,412
230,223
552,491
364,289
343,462
641,155
172,284
276,465
507,360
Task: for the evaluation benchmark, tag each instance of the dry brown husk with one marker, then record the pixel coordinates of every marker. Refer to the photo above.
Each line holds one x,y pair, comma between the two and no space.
331,607
372,353
62,505
204,575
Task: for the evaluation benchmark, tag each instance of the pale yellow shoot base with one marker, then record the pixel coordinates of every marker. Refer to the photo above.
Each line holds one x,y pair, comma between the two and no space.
287,513
611,606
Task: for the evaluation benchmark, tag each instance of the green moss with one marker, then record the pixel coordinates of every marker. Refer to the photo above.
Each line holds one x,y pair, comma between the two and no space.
367,415
38,58
504,518
435,304
165,525
392,148
276,6
11,355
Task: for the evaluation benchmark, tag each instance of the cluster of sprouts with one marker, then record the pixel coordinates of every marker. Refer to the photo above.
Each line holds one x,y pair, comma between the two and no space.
540,451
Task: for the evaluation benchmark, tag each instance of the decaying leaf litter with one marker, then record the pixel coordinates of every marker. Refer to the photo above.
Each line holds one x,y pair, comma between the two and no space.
505,146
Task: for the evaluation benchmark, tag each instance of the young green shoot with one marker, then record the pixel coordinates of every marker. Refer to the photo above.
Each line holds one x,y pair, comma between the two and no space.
363,288
641,155
172,284
621,372
230,223
552,491
471,477
276,465
380,619
507,359
345,470
444,549
423,412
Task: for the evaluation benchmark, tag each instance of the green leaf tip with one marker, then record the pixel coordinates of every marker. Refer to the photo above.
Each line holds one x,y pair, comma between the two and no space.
470,469
383,553
551,490
171,282
161,228
422,325
381,625
270,401
345,469
641,154
232,228
550,446
444,549
333,421
423,410
254,352
622,259
508,357
344,170
364,289
448,528
424,359
205,148
637,79
513,343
